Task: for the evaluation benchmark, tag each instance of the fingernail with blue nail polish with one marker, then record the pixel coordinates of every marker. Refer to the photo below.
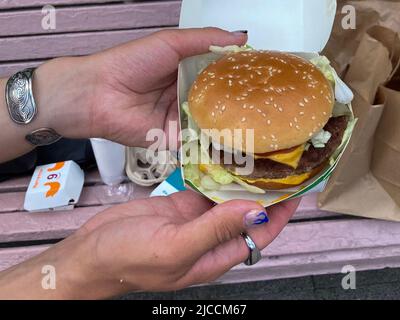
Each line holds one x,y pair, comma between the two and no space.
255,218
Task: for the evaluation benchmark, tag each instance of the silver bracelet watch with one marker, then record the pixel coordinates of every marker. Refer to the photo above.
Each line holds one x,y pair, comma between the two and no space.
22,107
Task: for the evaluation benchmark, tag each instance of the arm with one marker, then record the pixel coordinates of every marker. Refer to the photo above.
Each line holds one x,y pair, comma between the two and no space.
158,244
120,94
60,88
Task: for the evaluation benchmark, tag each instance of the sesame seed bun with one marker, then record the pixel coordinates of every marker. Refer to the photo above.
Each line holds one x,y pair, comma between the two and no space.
284,98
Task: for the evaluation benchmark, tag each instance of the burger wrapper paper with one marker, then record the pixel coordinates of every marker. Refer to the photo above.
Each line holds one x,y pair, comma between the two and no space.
366,182
296,34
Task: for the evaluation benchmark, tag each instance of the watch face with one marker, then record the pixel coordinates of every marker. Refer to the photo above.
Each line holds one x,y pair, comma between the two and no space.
43,137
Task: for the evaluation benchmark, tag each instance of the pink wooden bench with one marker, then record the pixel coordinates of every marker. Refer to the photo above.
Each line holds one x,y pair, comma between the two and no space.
315,242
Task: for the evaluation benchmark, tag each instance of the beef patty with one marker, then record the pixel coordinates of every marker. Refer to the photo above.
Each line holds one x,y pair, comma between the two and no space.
311,159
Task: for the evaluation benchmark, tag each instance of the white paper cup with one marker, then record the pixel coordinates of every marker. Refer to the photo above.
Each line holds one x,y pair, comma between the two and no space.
110,158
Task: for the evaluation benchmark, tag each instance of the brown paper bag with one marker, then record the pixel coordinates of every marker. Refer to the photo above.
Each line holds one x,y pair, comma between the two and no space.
367,180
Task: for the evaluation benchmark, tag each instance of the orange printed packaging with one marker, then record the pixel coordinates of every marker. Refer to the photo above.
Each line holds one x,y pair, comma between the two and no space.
55,186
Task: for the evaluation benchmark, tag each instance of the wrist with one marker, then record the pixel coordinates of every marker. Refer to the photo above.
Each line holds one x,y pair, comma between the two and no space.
63,89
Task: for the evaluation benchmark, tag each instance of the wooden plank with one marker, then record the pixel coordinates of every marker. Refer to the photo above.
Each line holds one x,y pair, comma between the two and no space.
21,183
292,266
8,69
13,256
23,226
12,201
42,47
91,196
92,18
302,249
17,225
297,238
11,4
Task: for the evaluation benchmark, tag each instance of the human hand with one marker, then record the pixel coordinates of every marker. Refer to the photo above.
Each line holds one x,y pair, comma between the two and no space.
168,243
122,93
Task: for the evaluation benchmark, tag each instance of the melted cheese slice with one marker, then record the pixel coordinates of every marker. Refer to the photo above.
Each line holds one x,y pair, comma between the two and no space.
291,180
289,157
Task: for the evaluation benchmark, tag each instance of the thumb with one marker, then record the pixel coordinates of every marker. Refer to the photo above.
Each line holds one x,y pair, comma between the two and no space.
221,224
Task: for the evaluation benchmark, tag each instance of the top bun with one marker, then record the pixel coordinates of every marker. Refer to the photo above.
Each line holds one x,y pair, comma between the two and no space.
283,97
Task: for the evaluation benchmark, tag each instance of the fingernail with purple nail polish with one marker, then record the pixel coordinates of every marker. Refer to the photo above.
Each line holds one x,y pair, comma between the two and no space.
255,218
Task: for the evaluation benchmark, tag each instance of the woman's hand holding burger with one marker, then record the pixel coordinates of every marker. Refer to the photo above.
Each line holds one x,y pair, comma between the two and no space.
157,244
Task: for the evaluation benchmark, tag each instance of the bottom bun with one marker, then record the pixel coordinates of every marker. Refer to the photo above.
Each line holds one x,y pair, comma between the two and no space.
284,183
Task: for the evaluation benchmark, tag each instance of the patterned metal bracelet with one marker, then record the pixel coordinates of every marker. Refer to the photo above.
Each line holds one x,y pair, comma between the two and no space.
22,107
19,97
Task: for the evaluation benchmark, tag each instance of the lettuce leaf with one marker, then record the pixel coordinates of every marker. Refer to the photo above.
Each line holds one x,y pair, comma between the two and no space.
321,139
229,49
343,93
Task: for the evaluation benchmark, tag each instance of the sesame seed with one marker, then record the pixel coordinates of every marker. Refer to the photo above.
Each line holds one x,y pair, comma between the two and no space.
273,136
301,104
306,100
264,115
296,120
259,111
251,107
313,118
223,108
291,124
297,127
280,109
302,113
264,138
245,106
243,119
213,114
310,134
268,122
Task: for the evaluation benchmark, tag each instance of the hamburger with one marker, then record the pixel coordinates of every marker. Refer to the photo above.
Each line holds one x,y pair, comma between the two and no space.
288,101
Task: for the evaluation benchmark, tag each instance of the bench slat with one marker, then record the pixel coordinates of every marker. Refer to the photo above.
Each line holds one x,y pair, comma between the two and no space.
21,183
297,237
291,266
7,69
302,249
12,4
93,18
22,226
91,196
43,47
